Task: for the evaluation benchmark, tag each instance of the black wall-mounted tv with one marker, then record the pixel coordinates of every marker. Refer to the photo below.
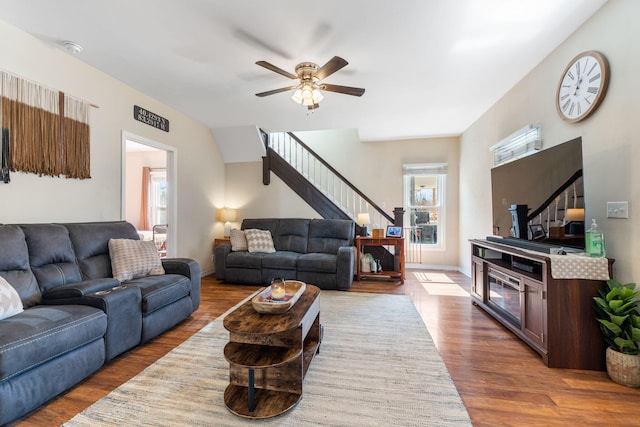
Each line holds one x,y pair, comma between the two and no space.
533,181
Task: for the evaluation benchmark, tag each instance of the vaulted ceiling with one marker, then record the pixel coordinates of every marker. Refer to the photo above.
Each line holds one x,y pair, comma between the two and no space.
429,67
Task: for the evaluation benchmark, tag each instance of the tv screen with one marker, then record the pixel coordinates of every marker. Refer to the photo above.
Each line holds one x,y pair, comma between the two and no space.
542,186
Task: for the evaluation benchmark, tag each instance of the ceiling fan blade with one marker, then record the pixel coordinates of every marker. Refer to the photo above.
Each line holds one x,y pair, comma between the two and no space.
275,69
260,43
330,67
272,92
348,90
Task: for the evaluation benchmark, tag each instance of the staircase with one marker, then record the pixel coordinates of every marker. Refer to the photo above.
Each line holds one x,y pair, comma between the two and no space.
553,211
318,183
327,191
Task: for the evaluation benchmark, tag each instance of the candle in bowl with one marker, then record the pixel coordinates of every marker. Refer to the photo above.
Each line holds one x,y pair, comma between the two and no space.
278,290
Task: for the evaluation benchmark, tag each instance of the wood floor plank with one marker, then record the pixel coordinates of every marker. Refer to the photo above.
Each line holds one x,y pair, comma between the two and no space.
500,379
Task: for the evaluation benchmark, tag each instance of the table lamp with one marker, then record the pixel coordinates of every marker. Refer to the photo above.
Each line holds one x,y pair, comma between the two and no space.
227,216
363,220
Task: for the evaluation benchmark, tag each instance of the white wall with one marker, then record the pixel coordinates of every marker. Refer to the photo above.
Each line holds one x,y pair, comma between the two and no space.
373,167
611,150
200,171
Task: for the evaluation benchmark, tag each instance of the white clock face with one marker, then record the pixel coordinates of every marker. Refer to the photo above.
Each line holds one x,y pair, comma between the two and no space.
582,87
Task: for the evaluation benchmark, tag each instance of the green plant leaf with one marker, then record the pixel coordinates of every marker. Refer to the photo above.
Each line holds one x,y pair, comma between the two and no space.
618,320
613,293
616,304
626,308
602,304
635,334
611,326
626,346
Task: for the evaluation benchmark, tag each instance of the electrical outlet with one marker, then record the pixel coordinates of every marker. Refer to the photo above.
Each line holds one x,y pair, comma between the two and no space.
617,209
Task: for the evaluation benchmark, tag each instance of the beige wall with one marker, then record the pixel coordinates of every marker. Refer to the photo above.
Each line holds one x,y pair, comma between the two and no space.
611,149
373,167
200,169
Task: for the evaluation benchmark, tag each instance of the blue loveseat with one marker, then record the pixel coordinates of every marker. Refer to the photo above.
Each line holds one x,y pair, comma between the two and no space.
76,315
316,251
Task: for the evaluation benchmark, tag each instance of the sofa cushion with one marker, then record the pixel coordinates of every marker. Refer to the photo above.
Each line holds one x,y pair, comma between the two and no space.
91,244
259,240
10,302
158,291
44,332
280,260
14,264
131,259
51,255
292,235
317,262
270,224
244,260
238,241
327,235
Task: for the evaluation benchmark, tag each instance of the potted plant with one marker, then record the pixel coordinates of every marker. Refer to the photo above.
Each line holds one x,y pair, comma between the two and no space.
617,310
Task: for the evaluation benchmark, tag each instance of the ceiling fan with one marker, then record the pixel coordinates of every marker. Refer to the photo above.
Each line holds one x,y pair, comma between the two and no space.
307,90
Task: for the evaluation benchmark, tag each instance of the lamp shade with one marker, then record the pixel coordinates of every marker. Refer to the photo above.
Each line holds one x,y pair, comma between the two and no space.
363,218
228,215
574,214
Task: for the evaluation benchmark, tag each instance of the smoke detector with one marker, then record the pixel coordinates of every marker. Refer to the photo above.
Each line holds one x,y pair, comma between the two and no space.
71,46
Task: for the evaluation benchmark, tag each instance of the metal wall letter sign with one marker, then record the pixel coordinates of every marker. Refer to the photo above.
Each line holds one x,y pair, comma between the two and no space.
152,119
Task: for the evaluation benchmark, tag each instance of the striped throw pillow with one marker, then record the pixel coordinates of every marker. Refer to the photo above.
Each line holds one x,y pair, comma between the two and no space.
131,259
238,241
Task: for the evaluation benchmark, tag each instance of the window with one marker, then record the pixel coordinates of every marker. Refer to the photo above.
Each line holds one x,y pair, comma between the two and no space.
424,191
158,196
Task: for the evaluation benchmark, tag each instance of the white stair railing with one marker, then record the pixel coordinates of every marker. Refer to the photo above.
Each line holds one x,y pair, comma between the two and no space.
326,180
554,214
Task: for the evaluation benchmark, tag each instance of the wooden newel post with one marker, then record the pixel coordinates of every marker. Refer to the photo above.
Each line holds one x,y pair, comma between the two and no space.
398,214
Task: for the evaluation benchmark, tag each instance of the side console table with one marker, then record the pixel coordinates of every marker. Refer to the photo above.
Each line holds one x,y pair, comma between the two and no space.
269,355
554,316
396,242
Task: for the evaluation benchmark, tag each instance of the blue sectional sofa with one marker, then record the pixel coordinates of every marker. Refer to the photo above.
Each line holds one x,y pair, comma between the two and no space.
76,315
316,251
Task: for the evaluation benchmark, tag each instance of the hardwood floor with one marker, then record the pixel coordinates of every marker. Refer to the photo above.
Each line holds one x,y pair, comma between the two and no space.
501,380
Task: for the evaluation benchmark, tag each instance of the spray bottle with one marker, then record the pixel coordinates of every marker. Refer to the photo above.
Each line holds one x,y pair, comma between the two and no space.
594,241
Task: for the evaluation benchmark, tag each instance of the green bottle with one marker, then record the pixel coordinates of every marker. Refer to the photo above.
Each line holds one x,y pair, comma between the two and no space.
594,241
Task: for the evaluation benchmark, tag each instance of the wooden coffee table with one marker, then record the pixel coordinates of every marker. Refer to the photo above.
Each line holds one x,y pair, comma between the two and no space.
269,355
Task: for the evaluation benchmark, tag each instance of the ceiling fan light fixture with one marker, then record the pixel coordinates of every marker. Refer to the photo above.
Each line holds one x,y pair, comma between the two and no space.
317,96
307,94
297,96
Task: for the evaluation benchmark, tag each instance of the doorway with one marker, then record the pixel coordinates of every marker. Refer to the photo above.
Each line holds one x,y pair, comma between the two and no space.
149,190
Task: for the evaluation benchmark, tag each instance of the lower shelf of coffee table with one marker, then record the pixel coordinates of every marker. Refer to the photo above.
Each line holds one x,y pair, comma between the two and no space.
268,403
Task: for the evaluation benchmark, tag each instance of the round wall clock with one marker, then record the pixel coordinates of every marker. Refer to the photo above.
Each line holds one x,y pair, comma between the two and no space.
582,86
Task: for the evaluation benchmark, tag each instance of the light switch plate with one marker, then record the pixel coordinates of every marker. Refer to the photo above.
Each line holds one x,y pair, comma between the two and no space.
617,209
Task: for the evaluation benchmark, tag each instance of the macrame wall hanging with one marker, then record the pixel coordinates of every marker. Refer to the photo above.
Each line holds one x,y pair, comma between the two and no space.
47,132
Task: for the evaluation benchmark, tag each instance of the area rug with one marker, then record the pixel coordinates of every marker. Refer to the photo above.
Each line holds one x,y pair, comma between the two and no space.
377,366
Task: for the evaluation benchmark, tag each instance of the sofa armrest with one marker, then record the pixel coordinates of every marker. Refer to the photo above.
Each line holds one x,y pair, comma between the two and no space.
121,303
80,289
189,268
345,264
220,255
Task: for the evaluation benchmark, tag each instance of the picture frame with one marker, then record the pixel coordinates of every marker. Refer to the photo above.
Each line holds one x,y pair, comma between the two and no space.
537,231
393,231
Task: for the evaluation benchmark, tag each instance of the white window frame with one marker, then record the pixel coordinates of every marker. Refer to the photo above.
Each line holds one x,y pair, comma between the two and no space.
439,170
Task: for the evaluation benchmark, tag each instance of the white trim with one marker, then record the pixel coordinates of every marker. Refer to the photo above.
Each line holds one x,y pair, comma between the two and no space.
172,179
424,169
